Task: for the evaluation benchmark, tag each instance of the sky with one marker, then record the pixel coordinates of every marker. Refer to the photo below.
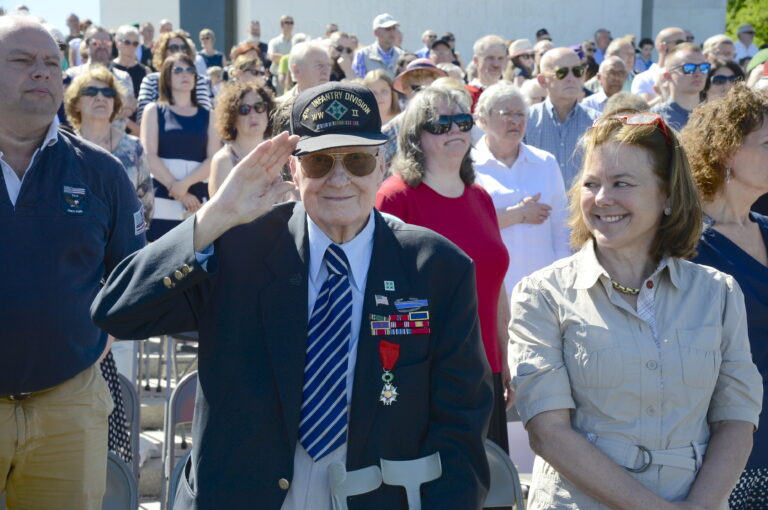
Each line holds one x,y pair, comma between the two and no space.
56,11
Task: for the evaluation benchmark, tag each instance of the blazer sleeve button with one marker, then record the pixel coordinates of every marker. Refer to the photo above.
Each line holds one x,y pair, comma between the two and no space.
283,484
185,269
178,275
167,282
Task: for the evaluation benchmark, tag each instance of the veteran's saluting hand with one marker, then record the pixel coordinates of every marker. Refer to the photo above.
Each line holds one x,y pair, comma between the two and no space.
253,186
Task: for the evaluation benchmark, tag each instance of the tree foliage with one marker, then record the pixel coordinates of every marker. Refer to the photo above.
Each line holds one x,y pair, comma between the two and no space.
754,12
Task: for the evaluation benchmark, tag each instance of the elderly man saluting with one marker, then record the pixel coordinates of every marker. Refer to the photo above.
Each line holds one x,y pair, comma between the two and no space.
328,333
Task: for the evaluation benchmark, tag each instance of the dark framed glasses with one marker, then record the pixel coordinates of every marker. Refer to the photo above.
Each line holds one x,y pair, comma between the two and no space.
255,72
443,123
561,72
175,48
107,92
179,70
135,44
342,49
722,80
318,164
641,119
527,55
258,107
690,68
288,22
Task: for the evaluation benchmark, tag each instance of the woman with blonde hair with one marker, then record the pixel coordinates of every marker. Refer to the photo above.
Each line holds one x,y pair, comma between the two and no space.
380,83
631,365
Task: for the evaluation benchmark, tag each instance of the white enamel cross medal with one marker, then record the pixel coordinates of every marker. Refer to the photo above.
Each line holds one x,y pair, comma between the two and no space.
389,353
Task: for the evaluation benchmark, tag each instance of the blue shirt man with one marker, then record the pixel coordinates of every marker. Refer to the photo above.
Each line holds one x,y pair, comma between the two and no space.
557,124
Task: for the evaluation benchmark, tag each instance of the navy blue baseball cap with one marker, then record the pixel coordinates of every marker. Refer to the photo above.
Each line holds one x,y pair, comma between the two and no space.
336,114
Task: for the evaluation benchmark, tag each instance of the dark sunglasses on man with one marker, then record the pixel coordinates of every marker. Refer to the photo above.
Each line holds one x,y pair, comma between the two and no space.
288,22
317,165
175,48
135,44
342,49
722,80
179,70
443,123
690,68
258,107
107,92
561,72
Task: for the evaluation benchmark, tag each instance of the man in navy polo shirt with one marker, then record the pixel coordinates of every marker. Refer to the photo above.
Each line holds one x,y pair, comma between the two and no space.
68,215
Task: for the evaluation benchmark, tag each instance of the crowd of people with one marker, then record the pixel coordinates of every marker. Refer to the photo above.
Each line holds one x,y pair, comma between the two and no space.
601,263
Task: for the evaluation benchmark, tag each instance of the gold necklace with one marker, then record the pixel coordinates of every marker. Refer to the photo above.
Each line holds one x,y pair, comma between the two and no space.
623,289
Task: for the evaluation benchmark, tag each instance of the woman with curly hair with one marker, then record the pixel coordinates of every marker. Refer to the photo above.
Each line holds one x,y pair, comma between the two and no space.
243,118
727,144
169,44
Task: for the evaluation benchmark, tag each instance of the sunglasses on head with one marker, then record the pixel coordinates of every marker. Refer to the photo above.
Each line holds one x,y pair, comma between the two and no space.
641,119
179,70
258,107
135,44
175,48
722,80
342,49
443,123
107,92
689,68
318,165
561,72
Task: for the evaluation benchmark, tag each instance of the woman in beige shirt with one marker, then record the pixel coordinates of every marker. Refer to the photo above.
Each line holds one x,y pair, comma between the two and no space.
631,366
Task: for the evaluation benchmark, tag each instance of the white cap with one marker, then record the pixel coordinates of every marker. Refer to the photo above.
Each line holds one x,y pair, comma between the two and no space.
745,28
384,21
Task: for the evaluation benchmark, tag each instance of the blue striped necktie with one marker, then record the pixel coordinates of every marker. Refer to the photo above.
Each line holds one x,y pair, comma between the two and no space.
323,426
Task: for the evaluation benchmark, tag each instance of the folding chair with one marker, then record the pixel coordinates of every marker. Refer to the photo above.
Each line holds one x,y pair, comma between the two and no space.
133,415
179,409
505,487
122,489
178,472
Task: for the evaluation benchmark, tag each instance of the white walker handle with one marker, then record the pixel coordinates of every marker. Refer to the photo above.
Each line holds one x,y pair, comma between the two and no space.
411,474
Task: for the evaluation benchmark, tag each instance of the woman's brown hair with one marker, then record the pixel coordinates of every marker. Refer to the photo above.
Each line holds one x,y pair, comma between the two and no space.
164,84
75,91
160,52
679,231
228,103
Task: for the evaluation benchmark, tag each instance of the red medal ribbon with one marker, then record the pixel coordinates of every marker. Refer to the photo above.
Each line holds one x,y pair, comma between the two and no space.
389,353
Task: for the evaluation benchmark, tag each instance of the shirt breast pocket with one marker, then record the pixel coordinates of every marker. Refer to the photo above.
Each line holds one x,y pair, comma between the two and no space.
700,355
592,357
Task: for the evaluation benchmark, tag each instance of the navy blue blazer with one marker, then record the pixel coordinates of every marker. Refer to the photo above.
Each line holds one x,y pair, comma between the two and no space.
251,311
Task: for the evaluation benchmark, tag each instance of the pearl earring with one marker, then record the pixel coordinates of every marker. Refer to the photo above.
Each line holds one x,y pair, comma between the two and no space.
727,175
668,211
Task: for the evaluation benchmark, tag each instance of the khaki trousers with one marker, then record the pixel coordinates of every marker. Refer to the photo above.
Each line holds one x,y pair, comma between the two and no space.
53,446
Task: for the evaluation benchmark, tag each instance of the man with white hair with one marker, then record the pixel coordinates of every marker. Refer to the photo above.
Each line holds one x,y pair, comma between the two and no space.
310,66
491,59
719,47
611,77
744,46
382,54
428,38
556,125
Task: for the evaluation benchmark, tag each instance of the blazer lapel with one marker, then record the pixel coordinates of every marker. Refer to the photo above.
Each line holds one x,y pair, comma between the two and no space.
386,265
284,302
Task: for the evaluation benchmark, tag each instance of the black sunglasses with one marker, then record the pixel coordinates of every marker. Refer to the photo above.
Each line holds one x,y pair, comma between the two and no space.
690,68
318,165
175,48
179,70
342,49
722,80
288,22
258,107
561,72
135,44
107,92
443,124
255,72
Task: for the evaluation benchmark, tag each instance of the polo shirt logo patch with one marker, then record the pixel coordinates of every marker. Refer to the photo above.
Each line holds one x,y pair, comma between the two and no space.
139,225
74,200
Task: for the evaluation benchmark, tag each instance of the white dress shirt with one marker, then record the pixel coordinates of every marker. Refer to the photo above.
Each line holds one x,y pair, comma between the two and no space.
12,181
596,101
530,247
643,83
742,51
310,487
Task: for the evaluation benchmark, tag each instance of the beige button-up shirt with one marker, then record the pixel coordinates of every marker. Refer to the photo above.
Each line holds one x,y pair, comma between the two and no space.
576,344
